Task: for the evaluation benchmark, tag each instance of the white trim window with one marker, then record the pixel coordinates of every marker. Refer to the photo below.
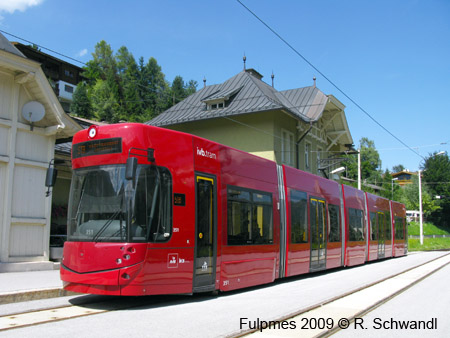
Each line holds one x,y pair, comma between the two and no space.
307,154
319,157
287,147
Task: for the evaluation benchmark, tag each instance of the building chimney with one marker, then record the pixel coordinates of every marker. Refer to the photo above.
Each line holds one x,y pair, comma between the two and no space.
314,79
244,59
272,76
204,82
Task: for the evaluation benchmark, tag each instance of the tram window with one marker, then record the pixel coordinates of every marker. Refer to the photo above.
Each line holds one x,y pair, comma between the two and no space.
299,217
356,228
373,226
399,228
250,218
334,227
388,226
152,217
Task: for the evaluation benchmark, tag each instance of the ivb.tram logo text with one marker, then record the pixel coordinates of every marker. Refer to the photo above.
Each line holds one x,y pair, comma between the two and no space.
206,153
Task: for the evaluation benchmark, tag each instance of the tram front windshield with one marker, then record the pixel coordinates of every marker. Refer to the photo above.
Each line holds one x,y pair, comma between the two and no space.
105,207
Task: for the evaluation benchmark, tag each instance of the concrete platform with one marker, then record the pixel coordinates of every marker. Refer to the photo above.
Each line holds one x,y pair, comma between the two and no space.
29,266
30,285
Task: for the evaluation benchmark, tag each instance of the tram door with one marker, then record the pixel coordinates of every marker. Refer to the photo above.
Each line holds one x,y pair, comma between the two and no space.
318,255
206,233
381,234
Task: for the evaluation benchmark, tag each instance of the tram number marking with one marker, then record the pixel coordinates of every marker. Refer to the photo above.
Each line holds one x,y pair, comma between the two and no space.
176,229
226,283
89,232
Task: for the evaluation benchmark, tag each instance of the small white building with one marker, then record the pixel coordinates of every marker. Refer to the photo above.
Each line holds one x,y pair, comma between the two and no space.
25,153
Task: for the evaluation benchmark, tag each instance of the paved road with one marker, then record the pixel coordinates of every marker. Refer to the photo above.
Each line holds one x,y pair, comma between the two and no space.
208,316
427,300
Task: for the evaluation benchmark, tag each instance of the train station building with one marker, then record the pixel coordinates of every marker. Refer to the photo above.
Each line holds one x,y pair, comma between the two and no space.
303,128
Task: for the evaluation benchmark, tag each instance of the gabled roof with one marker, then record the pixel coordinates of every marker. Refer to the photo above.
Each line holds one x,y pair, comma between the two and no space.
403,172
8,47
242,94
29,74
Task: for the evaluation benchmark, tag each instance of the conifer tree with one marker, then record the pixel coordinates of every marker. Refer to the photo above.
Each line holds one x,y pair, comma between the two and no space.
119,89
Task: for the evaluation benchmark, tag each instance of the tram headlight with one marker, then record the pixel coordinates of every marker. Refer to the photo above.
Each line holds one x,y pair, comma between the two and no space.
92,132
119,260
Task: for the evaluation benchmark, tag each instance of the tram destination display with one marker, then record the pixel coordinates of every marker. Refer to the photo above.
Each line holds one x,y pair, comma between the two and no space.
97,147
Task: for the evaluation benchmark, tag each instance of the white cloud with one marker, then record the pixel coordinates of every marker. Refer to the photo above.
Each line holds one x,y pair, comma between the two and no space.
11,6
82,52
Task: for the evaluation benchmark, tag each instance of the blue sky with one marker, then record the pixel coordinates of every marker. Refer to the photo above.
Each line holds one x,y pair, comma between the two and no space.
391,57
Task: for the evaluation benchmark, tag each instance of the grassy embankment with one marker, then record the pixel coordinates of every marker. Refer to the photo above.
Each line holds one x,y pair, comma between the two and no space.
428,243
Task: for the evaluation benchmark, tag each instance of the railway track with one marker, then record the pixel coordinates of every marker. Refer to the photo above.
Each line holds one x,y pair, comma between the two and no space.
326,318
334,309
82,309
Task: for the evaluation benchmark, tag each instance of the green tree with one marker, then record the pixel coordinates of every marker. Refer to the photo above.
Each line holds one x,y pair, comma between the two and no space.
397,168
390,189
117,88
436,177
180,90
370,164
101,73
81,104
105,102
411,198
128,73
157,88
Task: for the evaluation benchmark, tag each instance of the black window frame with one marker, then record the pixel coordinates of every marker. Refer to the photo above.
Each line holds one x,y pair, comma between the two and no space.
373,225
299,232
336,236
388,226
400,227
355,225
249,202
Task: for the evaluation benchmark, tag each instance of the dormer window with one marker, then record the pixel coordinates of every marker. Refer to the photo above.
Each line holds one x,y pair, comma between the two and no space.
220,99
217,105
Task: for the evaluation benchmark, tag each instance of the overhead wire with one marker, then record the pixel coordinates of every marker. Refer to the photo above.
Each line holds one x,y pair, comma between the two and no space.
326,78
230,119
42,47
234,120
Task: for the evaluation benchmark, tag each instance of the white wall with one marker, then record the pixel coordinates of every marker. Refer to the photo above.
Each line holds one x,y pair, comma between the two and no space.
24,157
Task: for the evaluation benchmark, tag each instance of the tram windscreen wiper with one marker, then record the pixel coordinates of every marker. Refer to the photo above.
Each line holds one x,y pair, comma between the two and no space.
107,224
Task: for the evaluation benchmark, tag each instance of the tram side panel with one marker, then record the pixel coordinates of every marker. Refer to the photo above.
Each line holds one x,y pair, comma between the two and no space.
356,233
399,229
250,220
208,244
389,234
313,222
378,209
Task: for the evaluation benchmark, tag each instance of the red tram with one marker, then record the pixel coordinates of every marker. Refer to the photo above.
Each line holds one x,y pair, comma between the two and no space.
155,211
